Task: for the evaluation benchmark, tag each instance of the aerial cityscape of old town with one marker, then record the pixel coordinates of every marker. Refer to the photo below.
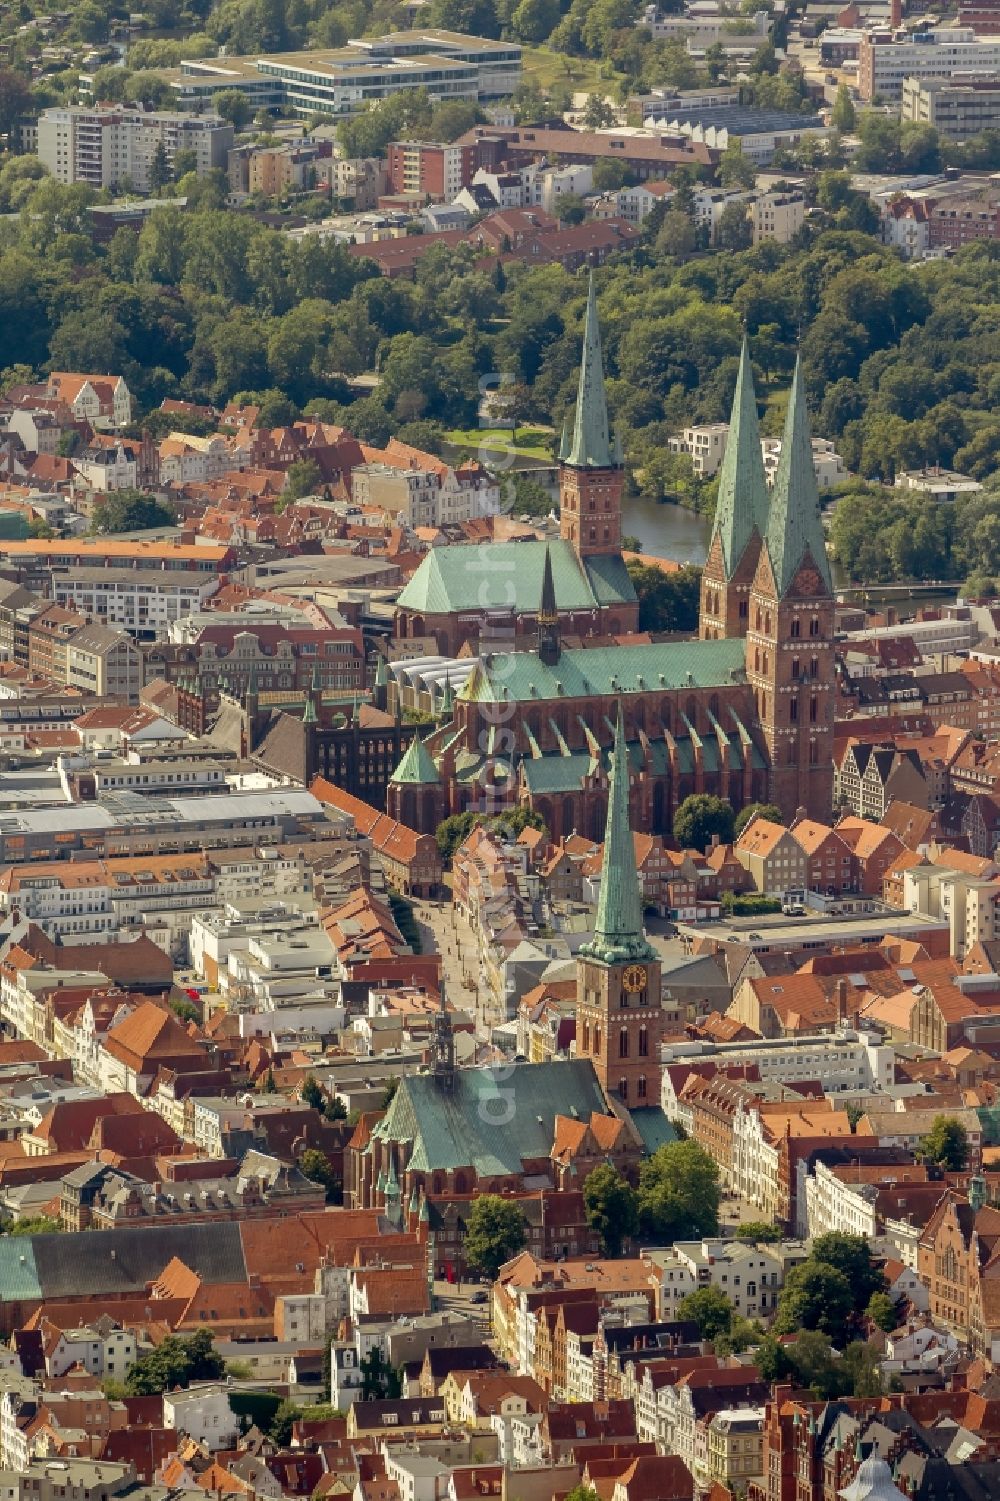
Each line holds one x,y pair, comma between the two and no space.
500,750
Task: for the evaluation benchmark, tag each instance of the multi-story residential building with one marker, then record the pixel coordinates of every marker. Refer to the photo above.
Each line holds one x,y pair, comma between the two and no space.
772,856
105,662
957,107
104,1349
734,1448
886,59
706,445
431,168
750,1276
422,490
341,82
144,601
776,216
108,147
829,467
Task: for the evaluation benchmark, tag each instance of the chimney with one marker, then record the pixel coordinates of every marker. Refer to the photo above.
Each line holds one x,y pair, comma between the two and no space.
841,992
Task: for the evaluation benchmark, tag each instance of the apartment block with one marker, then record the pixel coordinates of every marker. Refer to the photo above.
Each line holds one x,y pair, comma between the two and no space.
143,600
108,147
431,168
777,216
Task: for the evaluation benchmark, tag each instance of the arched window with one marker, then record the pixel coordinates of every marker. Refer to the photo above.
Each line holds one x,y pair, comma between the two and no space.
756,619
623,1088
796,626
793,711
795,667
764,666
767,623
756,659
814,626
623,1043
813,709
814,667
813,753
640,1088
643,1043
763,706
597,1040
585,1040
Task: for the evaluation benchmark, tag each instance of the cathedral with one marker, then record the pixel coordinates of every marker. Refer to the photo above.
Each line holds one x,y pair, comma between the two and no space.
745,711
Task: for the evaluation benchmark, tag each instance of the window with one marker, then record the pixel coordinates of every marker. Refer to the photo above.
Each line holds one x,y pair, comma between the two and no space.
813,709
793,711
814,626
623,1043
623,1088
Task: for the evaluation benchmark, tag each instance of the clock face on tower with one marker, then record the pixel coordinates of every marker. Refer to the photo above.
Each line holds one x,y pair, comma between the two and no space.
634,979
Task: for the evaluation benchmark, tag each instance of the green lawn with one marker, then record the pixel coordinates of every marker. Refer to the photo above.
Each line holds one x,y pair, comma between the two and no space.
578,75
532,442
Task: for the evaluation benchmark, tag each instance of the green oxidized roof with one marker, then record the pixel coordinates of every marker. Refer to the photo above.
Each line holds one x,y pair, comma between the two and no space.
591,447
488,1120
605,671
417,765
618,932
794,528
743,496
554,773
508,576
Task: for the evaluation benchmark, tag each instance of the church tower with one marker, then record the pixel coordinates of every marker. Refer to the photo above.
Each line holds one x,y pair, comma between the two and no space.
789,652
740,518
619,1019
590,462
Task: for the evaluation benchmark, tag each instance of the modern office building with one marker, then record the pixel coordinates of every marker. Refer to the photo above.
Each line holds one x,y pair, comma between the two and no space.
345,80
887,58
957,107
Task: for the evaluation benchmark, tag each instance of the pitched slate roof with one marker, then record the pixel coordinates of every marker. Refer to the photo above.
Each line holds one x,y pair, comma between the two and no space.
487,1125
465,578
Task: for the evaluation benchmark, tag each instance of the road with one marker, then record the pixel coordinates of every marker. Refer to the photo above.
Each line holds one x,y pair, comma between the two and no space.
443,932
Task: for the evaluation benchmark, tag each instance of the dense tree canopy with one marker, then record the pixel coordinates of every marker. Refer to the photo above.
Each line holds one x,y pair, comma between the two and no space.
495,1231
678,1193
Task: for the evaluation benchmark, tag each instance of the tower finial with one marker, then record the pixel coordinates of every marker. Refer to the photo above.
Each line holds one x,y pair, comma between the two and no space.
618,929
591,447
549,645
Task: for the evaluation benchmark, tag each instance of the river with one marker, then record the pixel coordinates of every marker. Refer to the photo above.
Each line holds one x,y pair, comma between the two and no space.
666,530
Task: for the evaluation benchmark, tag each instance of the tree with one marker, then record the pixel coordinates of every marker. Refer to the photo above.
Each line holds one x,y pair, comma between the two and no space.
175,1362
302,478
815,1296
676,235
679,1193
598,113
390,1091
159,169
316,1166
286,1414
335,1109
851,1255
735,169
667,601
843,115
378,1378
611,1206
312,1093
946,1144
34,1224
233,105
710,1309
758,1232
734,230
130,511
882,1312
495,1231
15,99
570,209
699,818
770,811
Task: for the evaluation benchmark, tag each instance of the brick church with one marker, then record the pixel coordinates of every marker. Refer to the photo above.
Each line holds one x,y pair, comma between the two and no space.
745,711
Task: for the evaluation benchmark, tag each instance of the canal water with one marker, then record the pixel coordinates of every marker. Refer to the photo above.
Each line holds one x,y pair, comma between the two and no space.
666,530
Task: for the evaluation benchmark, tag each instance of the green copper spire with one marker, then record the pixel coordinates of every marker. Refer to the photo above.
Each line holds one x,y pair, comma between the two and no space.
795,530
309,715
743,499
591,447
417,765
564,442
548,610
618,931
447,698
381,674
